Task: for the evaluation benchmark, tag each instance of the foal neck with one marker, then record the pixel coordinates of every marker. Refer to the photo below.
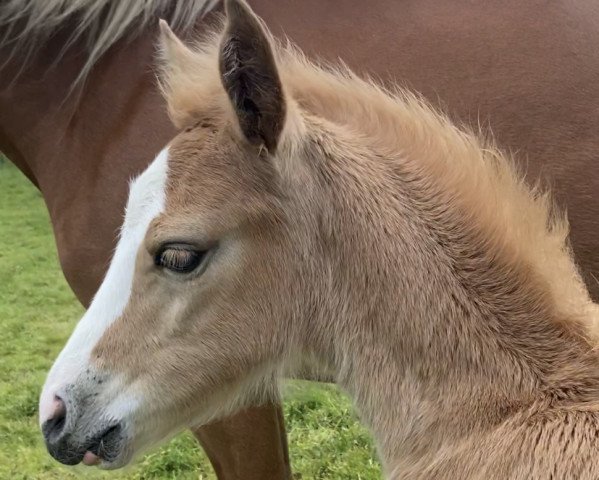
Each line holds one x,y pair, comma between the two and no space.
452,378
436,337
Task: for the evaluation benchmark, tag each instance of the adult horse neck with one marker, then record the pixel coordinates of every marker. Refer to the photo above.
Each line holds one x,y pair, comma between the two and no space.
526,69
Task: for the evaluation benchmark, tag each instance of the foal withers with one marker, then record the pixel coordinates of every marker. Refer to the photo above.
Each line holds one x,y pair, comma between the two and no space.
303,213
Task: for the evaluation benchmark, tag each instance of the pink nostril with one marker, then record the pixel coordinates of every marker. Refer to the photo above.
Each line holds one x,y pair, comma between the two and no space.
58,408
54,425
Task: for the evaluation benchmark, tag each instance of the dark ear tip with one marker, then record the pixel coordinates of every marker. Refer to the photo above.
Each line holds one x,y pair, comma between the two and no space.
249,75
236,8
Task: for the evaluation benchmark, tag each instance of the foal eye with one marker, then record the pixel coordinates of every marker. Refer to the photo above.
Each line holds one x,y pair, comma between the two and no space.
178,258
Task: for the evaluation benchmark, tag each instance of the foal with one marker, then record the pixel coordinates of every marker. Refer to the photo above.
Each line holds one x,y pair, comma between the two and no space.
305,216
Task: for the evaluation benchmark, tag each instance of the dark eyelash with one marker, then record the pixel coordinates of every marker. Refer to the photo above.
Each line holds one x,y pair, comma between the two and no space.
179,258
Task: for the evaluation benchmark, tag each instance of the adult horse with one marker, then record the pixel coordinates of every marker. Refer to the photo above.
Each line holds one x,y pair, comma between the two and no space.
526,68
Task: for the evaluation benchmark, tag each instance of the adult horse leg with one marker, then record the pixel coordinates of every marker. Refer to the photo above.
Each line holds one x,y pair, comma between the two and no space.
255,427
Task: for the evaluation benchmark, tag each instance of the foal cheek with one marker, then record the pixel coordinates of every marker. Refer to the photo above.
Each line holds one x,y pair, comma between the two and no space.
133,340
117,349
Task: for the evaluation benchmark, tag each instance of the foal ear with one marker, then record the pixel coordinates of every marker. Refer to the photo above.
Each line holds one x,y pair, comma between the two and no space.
173,50
177,79
249,74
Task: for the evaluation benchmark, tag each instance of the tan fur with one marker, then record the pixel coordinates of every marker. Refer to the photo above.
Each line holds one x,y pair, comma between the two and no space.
401,253
468,171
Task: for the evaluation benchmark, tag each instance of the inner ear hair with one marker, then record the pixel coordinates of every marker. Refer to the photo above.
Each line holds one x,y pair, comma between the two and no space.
249,75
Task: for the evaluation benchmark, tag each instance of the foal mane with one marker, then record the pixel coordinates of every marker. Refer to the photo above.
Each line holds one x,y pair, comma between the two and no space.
28,24
516,223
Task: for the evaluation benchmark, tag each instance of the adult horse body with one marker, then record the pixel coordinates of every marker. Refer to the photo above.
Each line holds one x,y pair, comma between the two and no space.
526,68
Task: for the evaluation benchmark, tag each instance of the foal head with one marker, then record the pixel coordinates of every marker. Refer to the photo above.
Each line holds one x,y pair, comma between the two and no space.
198,307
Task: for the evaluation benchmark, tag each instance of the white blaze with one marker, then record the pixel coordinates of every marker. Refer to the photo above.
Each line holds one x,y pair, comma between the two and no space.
146,202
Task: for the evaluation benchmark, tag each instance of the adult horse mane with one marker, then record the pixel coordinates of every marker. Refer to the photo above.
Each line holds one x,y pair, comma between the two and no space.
97,24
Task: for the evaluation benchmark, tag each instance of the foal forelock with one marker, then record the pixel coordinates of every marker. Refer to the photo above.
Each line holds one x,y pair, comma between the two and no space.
25,25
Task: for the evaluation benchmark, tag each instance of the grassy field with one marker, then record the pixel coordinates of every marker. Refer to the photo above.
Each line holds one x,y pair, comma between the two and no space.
37,313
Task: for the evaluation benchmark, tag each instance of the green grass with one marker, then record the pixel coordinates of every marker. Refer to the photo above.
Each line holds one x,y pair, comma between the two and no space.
37,314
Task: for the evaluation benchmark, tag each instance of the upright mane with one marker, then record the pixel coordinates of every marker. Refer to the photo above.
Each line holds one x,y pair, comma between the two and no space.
27,24
518,224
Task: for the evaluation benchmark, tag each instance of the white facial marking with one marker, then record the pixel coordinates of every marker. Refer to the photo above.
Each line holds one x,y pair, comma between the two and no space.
146,202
